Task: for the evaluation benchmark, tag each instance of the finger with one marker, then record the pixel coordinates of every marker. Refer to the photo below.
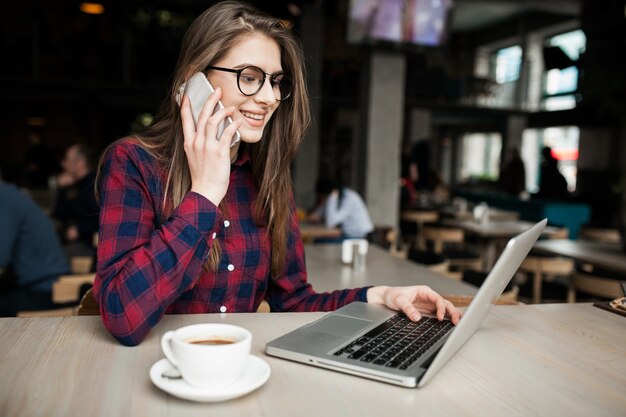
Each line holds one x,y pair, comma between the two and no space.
209,107
229,133
189,127
427,297
440,305
404,304
453,312
213,124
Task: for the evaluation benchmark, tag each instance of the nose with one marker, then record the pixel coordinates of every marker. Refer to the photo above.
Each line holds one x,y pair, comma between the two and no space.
266,93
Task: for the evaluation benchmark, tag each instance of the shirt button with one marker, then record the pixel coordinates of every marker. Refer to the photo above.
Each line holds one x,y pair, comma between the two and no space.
226,223
223,309
214,235
231,267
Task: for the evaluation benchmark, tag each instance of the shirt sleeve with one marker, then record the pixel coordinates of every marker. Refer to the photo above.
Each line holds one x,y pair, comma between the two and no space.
292,292
143,268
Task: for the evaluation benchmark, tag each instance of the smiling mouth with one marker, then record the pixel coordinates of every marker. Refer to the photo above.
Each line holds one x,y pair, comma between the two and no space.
253,116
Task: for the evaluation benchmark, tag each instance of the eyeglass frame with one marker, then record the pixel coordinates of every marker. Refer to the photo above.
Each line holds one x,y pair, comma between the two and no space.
265,75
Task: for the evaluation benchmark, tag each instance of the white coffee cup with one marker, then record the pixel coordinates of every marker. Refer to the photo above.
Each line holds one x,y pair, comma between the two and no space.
348,249
208,355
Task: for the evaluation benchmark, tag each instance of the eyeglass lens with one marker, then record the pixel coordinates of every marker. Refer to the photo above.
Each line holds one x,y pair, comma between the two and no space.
251,81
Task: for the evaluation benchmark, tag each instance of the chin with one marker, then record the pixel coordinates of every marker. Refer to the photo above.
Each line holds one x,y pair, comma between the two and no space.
251,137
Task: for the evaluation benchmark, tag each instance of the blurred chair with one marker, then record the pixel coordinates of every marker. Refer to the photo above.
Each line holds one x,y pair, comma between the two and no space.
509,294
387,237
449,242
594,283
81,264
69,288
544,270
417,218
600,234
559,233
430,260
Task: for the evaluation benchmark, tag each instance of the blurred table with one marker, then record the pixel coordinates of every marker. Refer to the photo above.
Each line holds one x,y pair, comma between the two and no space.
542,360
419,216
495,215
601,254
491,234
326,272
311,231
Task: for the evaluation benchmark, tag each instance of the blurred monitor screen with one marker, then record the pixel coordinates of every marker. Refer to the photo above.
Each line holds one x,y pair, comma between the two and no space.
418,22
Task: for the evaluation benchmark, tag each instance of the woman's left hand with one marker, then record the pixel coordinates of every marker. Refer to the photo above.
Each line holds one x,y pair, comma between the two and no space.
414,301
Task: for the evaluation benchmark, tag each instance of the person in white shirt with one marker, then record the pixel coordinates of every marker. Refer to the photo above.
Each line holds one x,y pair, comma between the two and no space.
342,207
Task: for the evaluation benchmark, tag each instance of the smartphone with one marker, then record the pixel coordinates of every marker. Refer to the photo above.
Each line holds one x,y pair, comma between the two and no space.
198,89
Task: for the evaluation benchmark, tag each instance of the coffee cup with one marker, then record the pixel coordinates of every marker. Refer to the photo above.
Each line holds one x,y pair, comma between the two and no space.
208,355
352,247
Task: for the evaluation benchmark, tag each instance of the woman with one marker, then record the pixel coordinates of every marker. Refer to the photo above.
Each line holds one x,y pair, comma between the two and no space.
190,225
343,207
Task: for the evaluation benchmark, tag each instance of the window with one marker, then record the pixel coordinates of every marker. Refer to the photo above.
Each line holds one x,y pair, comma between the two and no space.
480,156
507,64
560,84
564,143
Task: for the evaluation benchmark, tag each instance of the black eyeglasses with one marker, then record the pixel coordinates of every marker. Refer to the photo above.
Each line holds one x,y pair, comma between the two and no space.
250,80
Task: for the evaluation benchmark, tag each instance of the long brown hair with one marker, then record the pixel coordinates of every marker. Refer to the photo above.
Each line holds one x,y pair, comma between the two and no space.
207,40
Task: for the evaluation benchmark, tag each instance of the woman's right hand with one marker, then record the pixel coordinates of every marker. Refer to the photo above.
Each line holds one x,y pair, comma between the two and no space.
208,157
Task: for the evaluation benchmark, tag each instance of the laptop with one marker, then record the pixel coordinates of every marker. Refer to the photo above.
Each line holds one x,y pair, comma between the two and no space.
372,341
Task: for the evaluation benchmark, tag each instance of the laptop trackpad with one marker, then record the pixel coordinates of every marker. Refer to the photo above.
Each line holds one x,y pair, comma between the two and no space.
341,325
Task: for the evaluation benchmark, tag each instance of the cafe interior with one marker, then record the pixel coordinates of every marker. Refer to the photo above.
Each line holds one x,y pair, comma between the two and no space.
444,116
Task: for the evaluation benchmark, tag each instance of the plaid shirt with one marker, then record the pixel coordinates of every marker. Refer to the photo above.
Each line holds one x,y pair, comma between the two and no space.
149,266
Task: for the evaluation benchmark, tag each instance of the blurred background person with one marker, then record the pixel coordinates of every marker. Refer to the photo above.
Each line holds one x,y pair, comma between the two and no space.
513,176
552,184
340,206
76,208
31,256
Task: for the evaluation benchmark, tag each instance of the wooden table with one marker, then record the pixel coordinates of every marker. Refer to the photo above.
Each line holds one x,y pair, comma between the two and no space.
544,360
310,231
601,254
326,272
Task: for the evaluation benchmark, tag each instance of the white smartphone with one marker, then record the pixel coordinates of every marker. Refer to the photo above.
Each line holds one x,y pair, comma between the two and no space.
198,89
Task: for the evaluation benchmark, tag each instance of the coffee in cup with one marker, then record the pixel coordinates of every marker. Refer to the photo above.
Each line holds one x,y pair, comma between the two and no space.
208,355
210,342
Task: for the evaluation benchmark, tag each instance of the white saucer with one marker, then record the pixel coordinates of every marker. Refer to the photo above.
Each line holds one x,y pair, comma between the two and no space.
255,374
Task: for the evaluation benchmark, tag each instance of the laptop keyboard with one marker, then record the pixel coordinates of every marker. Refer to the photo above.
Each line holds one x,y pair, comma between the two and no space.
398,342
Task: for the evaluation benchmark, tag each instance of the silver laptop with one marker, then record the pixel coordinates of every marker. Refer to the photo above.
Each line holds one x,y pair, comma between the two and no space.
375,342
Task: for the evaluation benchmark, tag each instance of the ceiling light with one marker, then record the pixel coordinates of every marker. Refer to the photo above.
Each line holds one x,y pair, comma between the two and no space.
91,8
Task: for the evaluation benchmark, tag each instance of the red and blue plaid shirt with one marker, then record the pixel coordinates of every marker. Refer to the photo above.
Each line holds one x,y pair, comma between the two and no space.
149,266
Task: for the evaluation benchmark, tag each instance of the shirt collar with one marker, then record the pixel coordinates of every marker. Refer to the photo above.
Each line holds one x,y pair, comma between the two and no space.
243,157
